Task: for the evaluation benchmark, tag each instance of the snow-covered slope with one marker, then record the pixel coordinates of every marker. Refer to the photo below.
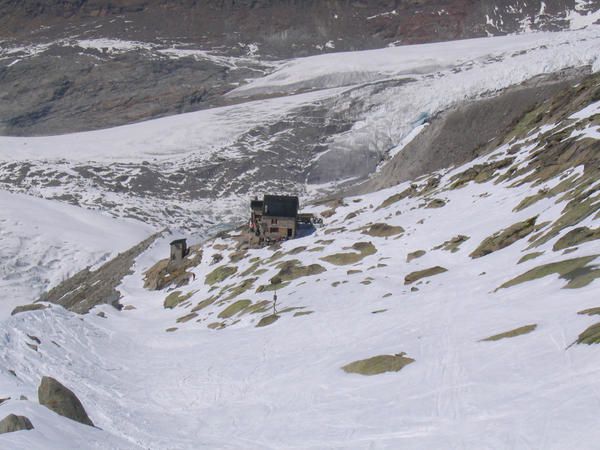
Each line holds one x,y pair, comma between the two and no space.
42,242
483,275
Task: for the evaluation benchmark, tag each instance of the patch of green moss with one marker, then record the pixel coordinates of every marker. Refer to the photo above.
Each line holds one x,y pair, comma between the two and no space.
271,287
383,230
250,270
479,173
379,364
237,256
512,333
340,259
504,238
238,290
297,250
590,336
334,230
291,270
415,255
325,241
175,298
234,309
216,325
316,249
590,312
275,256
204,303
353,272
258,307
411,191
420,274
267,320
436,203
187,317
574,270
170,330
574,212
575,237
453,245
219,274
302,313
529,257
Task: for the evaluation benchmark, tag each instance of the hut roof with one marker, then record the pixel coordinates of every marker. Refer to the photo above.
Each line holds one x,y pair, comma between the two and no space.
280,205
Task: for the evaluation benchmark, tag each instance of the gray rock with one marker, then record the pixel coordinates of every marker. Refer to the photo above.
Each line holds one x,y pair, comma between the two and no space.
25,308
14,423
62,400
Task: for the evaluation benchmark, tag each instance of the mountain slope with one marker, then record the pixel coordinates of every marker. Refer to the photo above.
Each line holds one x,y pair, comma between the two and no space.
108,63
482,274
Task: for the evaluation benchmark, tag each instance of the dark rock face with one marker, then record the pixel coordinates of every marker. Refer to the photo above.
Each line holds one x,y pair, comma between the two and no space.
62,400
14,423
290,25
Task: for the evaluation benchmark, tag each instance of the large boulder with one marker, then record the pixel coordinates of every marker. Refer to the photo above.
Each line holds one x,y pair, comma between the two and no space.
62,400
14,423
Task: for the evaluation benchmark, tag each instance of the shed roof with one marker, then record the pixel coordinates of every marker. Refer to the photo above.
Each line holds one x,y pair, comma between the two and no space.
280,205
179,241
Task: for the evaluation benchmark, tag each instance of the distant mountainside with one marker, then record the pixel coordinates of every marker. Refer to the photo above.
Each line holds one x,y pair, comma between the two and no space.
73,65
287,28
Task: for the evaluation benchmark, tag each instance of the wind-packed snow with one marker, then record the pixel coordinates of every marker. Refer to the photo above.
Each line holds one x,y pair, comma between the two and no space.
43,242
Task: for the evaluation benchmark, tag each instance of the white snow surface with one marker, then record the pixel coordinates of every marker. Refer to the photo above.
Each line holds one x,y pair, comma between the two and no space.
43,242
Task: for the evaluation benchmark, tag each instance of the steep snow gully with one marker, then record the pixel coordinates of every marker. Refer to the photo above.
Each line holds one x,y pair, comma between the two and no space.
456,309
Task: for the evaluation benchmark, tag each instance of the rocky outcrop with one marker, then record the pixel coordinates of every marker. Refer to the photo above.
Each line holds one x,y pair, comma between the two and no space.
459,135
89,288
56,397
25,308
13,423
